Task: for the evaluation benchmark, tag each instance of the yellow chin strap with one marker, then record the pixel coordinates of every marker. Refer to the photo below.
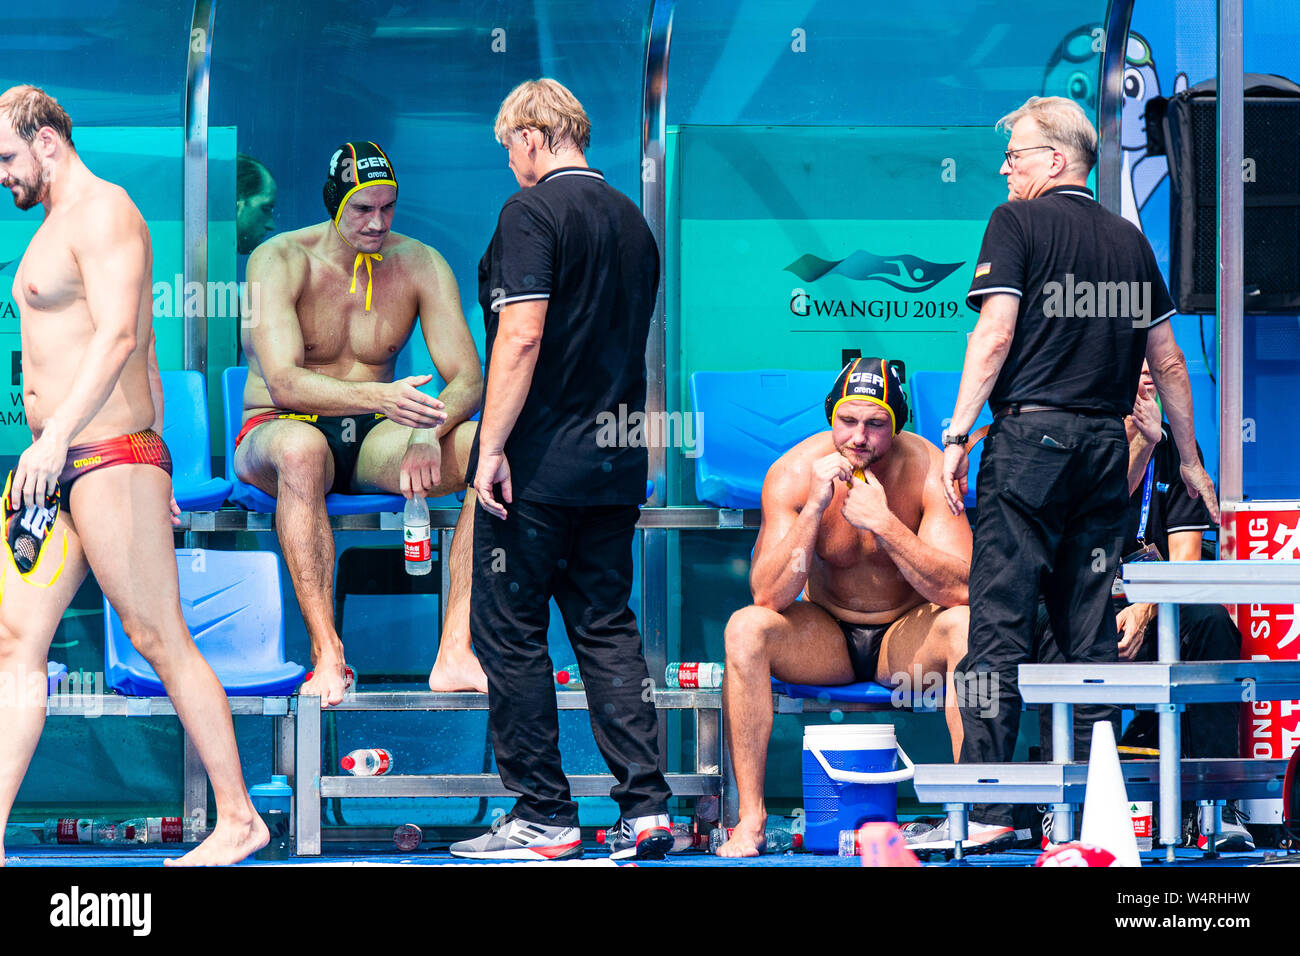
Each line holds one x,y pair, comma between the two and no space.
370,276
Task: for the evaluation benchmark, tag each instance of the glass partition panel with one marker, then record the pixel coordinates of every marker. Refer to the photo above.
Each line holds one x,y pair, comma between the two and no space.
118,70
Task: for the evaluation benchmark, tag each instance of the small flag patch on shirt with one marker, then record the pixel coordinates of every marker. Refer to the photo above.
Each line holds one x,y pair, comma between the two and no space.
983,269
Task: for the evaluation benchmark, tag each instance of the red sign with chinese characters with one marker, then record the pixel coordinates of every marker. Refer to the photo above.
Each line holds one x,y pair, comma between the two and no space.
1269,728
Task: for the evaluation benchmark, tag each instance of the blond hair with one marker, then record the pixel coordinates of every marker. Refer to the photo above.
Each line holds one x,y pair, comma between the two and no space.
547,106
29,109
1063,123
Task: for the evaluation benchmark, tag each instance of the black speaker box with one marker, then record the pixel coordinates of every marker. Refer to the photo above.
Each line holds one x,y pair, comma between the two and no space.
1271,173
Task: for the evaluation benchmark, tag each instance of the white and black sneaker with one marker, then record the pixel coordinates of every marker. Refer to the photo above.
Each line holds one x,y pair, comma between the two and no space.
640,838
983,836
513,839
1233,835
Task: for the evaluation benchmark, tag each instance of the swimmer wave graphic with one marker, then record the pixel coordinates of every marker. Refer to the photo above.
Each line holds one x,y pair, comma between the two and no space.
906,272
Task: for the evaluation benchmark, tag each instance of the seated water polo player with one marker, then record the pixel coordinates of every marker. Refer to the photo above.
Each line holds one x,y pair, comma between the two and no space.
855,522
334,304
93,486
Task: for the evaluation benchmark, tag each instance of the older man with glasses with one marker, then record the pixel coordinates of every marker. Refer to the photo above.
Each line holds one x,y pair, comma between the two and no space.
1070,301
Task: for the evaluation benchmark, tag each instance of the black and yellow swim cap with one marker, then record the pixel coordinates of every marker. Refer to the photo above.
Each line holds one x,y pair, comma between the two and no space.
355,166
870,380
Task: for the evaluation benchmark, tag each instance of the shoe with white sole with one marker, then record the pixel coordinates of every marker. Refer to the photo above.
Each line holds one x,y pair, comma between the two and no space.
984,836
1233,835
640,838
513,839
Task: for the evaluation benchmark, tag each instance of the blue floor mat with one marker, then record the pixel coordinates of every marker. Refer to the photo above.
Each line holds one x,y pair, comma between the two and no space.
50,856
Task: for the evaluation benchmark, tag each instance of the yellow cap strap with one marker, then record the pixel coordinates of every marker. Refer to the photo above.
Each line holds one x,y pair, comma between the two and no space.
370,276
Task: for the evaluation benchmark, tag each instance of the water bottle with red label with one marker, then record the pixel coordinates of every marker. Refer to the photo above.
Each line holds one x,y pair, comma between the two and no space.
370,762
415,536
693,675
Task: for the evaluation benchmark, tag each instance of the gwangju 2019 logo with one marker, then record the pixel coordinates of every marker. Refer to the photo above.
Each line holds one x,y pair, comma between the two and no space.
905,272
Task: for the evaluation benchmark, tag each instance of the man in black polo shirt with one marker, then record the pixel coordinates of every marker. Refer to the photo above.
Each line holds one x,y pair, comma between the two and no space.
1162,514
567,288
1070,300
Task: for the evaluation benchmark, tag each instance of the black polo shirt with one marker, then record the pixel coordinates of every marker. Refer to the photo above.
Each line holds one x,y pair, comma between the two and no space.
1089,289
1172,508
581,245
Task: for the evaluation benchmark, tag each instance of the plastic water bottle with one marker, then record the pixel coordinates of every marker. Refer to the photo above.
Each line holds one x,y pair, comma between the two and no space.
407,837
567,678
70,830
415,536
692,675
370,762
685,838
777,839
153,830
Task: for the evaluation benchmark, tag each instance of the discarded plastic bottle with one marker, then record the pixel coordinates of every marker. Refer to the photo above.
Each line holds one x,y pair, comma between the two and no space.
407,837
568,678
370,762
69,830
415,536
776,839
691,675
153,830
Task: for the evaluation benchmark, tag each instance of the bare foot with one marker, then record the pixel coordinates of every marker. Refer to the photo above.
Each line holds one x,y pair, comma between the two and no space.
327,681
457,672
227,843
746,840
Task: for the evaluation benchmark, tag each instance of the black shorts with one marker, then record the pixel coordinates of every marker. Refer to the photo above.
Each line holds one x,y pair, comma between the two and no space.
864,642
337,429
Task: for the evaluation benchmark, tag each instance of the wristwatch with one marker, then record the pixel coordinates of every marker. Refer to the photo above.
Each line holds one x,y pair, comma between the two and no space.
955,439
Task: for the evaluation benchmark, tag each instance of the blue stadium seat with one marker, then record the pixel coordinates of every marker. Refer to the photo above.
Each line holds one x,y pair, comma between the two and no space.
189,439
934,395
231,602
865,692
254,499
745,421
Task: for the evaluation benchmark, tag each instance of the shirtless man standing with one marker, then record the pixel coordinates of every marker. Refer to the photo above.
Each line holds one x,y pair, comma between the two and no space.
322,412
93,399
855,522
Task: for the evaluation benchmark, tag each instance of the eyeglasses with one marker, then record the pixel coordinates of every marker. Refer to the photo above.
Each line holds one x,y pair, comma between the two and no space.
1010,154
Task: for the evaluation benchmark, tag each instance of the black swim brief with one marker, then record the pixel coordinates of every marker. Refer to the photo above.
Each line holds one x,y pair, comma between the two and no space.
343,434
864,642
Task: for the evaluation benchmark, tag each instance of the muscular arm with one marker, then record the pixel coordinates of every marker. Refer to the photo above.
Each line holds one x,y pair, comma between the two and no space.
114,259
514,357
277,274
787,537
446,334
936,559
985,353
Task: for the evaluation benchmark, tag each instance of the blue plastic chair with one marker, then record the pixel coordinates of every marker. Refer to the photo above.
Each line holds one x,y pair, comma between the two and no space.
189,439
745,421
934,395
254,499
231,602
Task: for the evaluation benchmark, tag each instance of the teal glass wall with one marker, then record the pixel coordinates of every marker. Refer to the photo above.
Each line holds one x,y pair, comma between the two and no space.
118,69
833,130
